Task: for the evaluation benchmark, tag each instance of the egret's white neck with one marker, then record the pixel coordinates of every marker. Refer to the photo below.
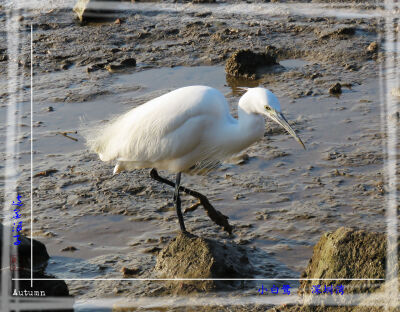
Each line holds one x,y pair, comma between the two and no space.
244,131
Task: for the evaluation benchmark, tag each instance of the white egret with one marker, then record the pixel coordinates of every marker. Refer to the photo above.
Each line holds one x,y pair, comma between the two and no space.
186,129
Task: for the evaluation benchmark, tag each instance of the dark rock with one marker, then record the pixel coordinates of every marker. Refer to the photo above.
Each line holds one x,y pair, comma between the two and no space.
129,62
203,14
43,289
23,252
69,248
66,64
143,35
272,50
54,288
336,89
153,249
245,63
124,64
21,269
315,75
190,256
3,55
95,67
130,271
351,67
95,10
346,31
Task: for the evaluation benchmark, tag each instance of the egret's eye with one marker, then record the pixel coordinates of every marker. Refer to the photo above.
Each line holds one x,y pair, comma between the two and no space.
267,108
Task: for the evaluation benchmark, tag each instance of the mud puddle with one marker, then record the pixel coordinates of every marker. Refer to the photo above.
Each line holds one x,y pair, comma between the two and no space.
98,235
293,63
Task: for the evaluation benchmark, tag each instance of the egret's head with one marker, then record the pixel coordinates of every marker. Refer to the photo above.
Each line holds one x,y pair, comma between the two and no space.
264,102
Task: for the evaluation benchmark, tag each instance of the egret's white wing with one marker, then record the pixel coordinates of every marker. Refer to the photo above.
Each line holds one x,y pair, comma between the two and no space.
164,128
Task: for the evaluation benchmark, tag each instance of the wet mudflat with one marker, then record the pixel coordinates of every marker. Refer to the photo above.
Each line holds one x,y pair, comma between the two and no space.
280,198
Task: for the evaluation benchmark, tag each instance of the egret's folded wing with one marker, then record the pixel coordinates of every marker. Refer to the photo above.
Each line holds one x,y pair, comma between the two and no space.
141,135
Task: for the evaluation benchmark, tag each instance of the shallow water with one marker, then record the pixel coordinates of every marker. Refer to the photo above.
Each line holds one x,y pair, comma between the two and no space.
281,200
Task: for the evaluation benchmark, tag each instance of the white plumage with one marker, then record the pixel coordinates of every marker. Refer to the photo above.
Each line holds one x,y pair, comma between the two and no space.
186,127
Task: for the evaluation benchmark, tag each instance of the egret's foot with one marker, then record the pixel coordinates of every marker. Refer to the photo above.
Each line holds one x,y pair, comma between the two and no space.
214,214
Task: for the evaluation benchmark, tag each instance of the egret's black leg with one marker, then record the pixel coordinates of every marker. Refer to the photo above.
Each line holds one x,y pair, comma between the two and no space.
214,214
177,200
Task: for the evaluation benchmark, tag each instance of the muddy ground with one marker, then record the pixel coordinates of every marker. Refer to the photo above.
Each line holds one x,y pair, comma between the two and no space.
280,200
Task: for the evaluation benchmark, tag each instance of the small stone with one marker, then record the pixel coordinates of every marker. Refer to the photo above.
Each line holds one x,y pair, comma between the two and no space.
151,240
336,89
154,249
373,47
203,1
238,196
130,271
315,75
203,14
350,67
66,64
129,62
124,64
94,67
49,234
117,290
69,248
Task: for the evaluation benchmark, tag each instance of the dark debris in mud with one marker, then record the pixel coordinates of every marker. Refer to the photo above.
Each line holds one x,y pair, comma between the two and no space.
245,63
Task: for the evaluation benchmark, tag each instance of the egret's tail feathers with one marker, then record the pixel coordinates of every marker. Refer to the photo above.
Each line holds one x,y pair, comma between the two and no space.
103,138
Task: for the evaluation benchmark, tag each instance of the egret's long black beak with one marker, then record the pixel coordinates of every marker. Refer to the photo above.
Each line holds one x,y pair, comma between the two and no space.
280,119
